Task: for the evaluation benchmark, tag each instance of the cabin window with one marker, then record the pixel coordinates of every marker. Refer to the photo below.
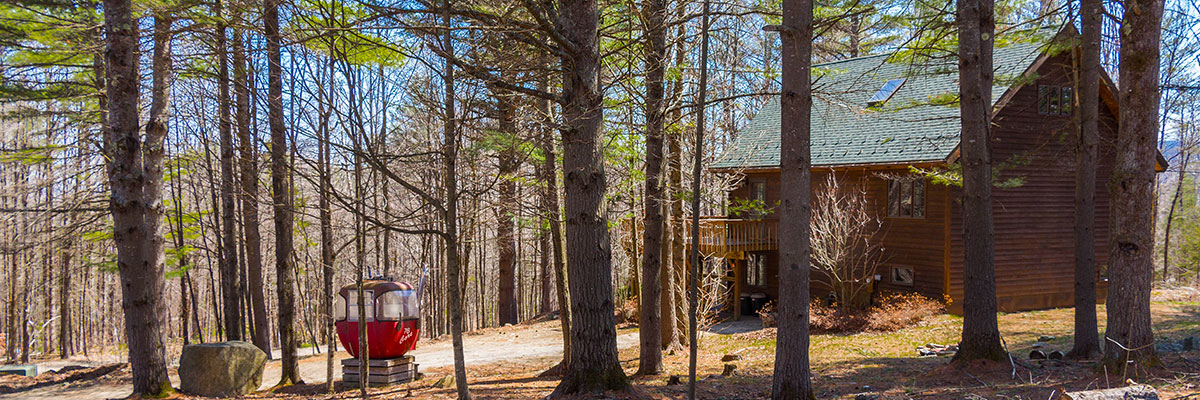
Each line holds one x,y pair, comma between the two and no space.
756,269
1056,100
902,276
760,191
906,198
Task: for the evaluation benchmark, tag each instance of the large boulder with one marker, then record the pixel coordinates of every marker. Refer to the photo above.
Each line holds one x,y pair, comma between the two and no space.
221,369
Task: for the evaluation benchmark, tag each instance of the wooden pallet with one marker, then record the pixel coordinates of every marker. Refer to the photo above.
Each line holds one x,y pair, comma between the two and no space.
381,372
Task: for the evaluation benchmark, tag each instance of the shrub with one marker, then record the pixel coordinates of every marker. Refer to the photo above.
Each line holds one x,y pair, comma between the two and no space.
892,312
628,311
767,314
846,250
902,310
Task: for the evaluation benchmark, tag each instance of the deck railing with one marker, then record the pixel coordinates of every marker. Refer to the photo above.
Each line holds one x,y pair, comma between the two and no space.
719,235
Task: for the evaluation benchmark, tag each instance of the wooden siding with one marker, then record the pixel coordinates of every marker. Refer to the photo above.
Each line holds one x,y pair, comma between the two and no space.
1034,222
918,243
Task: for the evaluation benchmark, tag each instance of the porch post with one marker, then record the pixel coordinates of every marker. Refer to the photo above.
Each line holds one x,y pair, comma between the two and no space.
737,291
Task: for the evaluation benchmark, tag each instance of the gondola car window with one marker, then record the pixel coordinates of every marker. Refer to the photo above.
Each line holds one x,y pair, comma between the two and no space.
397,305
352,306
339,307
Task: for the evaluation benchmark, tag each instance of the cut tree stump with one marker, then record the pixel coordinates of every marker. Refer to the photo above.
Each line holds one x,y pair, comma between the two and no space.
1136,392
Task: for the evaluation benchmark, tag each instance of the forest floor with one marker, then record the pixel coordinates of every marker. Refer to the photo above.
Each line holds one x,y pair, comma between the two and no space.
505,363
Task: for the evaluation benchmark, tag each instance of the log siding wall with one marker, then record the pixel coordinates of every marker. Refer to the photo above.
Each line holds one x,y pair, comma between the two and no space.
1034,222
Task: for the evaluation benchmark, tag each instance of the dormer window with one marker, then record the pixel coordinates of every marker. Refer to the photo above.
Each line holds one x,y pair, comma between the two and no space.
886,92
1056,100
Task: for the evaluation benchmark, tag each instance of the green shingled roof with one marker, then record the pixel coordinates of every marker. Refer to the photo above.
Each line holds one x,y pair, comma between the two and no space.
907,129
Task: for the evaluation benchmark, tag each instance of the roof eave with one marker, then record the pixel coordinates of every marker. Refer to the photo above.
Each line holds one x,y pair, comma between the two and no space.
887,164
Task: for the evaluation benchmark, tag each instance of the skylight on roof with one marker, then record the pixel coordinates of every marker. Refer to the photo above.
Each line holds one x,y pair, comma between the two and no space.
889,88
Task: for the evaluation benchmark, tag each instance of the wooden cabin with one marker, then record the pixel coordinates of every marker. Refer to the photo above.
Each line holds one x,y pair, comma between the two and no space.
875,120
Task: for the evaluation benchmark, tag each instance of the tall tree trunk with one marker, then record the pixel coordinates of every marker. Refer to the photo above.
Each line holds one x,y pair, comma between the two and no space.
544,280
673,290
281,196
1131,265
650,352
1087,339
506,244
249,194
178,235
325,104
694,260
135,177
549,177
1175,200
64,280
594,365
792,376
980,334
454,286
229,260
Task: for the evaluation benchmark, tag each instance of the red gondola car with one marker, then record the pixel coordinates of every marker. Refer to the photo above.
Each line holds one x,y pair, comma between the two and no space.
393,318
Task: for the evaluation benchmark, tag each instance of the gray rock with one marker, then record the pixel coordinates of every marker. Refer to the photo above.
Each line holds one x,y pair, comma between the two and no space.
1046,338
1038,345
221,369
866,396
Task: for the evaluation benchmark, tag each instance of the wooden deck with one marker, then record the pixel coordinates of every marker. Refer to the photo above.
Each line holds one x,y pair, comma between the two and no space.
731,237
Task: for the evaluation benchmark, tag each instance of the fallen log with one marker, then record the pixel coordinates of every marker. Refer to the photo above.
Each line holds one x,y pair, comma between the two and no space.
1135,392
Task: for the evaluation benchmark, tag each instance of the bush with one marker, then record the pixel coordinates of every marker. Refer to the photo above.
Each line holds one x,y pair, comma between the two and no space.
845,242
628,312
902,310
891,313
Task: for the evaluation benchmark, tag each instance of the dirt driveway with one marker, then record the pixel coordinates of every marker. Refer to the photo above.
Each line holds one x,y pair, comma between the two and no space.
543,339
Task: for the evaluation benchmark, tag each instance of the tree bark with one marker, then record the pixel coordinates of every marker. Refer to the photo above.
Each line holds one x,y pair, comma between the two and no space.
135,178
650,352
1131,265
281,196
249,195
693,279
324,109
1175,200
506,311
229,260
792,376
64,281
594,365
450,216
980,334
1087,339
549,178
673,300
